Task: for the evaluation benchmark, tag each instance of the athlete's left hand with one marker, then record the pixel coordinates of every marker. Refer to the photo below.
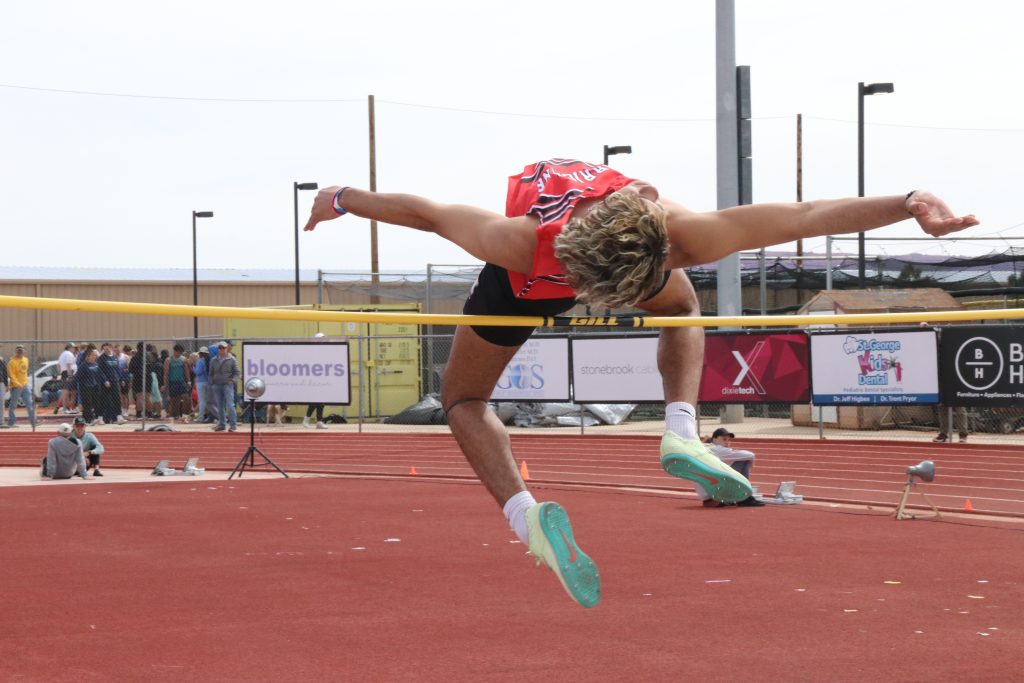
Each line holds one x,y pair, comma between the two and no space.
323,207
934,217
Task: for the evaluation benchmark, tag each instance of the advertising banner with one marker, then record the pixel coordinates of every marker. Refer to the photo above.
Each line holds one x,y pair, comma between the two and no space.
299,372
756,368
983,366
616,370
538,372
874,368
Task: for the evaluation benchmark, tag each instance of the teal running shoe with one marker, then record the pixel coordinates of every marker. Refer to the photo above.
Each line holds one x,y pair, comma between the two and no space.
690,459
551,542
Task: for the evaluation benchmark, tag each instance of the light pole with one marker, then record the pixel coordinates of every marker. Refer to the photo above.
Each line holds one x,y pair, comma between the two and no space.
195,278
862,91
621,149
295,194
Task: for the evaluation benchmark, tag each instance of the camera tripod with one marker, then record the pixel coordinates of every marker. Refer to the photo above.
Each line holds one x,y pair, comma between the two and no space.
249,459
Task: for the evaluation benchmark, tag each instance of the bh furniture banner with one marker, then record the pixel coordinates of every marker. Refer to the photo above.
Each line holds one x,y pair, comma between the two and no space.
874,368
616,370
983,366
538,372
756,368
307,372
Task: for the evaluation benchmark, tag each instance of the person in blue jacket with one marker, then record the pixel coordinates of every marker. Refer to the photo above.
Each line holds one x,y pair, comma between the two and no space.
110,394
89,383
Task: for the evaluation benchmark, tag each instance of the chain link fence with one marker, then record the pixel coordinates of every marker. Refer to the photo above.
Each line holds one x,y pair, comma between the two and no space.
396,382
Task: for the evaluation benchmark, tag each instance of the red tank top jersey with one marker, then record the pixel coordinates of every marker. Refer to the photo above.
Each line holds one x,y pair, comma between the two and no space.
549,191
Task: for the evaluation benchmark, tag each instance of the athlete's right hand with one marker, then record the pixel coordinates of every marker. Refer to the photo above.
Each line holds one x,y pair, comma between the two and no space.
323,207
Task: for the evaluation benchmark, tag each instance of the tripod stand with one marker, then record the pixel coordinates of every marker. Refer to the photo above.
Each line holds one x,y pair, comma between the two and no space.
249,459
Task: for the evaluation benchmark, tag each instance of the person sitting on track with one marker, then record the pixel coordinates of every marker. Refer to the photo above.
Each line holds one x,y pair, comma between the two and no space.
64,458
741,461
575,230
92,449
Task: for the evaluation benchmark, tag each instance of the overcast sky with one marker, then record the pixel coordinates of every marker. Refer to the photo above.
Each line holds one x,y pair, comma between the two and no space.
230,102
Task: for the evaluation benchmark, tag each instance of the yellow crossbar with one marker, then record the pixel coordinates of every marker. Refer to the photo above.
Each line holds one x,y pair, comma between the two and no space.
135,308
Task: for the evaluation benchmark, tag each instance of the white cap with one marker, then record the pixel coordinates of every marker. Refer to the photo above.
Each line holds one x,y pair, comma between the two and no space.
318,335
64,429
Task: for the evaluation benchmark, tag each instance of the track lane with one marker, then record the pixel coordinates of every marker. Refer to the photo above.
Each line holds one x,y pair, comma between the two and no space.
992,477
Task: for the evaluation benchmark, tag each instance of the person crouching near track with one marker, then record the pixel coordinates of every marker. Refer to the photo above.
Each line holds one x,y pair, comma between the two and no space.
64,458
721,445
92,449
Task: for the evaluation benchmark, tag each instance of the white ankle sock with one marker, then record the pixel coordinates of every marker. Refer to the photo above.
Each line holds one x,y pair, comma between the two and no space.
515,512
681,419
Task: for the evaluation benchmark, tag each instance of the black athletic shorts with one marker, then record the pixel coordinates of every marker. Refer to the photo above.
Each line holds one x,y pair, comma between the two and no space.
492,295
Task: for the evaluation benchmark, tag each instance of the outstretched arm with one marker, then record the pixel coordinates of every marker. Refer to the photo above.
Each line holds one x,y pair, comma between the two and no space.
698,238
488,236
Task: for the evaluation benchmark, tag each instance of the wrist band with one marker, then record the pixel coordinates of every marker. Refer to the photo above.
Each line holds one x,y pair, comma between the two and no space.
337,202
909,195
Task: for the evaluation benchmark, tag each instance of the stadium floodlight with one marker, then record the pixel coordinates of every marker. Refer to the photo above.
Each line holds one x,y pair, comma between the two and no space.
195,277
862,92
620,149
295,195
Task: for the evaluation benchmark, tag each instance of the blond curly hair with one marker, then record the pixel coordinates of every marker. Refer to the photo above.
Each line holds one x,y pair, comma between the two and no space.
615,255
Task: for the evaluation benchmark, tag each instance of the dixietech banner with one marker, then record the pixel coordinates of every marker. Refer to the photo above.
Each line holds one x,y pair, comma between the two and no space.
983,366
756,368
874,368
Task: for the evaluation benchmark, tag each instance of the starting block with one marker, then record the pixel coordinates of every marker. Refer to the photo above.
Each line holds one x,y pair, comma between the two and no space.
785,495
163,469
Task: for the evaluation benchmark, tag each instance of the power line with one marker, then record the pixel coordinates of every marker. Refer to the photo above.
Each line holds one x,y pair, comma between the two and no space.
286,100
560,116
466,110
173,97
910,125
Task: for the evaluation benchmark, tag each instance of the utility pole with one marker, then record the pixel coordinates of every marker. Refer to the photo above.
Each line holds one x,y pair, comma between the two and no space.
374,263
799,184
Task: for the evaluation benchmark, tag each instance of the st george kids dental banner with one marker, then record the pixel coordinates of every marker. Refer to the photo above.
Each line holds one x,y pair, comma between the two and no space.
875,368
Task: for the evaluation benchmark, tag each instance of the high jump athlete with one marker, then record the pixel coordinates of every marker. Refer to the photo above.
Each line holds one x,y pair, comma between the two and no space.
575,231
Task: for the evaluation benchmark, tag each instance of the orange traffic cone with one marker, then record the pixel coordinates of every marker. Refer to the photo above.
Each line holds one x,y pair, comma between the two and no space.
968,507
524,471
412,471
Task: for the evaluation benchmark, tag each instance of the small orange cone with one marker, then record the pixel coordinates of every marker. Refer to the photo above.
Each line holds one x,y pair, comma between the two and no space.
524,471
968,507
412,471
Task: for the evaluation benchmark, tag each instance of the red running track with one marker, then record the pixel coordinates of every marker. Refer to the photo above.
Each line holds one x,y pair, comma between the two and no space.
416,580
862,472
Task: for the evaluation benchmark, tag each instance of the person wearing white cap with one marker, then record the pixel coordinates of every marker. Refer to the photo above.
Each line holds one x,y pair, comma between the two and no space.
224,373
66,367
64,458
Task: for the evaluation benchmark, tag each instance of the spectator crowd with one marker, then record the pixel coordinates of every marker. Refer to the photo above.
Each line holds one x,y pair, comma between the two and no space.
111,384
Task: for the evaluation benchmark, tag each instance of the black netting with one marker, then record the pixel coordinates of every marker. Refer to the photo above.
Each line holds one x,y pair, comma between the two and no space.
953,273
790,280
